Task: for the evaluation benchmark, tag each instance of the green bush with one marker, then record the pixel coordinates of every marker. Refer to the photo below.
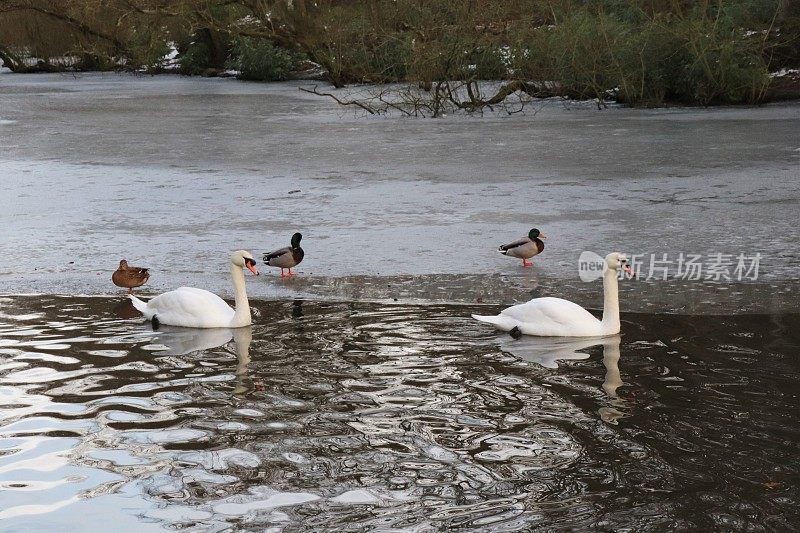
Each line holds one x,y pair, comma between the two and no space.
484,62
260,60
575,57
716,64
388,58
89,62
696,59
357,49
196,59
147,48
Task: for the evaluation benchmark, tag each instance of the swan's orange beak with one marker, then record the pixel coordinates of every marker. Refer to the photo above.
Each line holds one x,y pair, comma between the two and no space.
629,271
252,268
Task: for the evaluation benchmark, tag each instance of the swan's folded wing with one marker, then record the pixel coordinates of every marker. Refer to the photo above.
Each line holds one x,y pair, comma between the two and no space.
202,297
189,306
552,316
556,309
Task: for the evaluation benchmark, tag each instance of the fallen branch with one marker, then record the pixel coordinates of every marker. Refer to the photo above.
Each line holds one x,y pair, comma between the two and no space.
363,106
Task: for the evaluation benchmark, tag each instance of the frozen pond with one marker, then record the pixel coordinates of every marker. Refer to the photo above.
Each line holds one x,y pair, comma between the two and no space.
172,173
364,397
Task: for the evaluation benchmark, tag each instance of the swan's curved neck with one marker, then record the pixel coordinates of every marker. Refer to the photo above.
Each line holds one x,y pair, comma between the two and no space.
610,302
241,316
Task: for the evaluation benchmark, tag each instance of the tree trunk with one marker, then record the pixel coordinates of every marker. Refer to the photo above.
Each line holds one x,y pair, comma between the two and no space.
217,47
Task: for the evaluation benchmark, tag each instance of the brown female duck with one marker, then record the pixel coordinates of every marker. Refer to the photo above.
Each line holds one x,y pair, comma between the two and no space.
129,276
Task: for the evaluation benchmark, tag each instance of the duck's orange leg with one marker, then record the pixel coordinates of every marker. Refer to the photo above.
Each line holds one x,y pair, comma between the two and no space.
282,274
526,263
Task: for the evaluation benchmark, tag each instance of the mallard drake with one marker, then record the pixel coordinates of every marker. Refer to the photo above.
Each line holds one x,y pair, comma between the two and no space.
129,276
288,257
526,247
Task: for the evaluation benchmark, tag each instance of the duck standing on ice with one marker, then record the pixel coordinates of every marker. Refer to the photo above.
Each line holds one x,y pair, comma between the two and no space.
526,247
286,258
129,277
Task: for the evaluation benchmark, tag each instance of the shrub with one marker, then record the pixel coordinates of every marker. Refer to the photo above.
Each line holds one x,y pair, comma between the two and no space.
195,59
260,60
146,49
89,61
694,58
716,63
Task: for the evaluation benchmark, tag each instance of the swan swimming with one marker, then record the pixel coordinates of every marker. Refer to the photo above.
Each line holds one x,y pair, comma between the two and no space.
556,317
196,308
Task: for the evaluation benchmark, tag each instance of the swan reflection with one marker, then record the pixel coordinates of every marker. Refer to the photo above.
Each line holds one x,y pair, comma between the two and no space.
242,337
180,341
547,351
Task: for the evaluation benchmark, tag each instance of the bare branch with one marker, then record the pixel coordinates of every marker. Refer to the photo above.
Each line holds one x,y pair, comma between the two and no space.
63,17
363,106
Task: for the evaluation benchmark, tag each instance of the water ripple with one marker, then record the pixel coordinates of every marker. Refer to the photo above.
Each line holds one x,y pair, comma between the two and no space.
367,416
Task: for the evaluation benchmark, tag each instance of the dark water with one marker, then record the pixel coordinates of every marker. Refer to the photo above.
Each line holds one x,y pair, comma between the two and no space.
357,416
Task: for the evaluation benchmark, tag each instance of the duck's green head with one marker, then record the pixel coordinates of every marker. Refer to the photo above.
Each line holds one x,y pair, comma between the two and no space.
296,240
535,234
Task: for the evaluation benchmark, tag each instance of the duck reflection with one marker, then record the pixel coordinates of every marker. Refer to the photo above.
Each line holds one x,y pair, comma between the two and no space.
547,351
126,310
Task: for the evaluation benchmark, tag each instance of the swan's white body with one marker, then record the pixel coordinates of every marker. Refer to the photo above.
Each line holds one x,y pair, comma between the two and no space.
556,317
196,308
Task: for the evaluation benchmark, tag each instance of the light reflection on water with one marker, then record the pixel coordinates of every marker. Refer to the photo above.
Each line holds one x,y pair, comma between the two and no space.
371,416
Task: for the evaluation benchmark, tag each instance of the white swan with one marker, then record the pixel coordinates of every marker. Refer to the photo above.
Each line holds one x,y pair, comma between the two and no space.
195,308
555,317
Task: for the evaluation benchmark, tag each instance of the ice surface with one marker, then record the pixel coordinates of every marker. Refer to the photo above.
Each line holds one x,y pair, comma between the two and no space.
172,173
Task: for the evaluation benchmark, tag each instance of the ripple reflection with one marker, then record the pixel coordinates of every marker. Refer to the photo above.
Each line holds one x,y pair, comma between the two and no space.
368,416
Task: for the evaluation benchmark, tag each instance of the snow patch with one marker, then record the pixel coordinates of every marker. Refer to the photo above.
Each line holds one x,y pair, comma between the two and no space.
170,61
785,72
